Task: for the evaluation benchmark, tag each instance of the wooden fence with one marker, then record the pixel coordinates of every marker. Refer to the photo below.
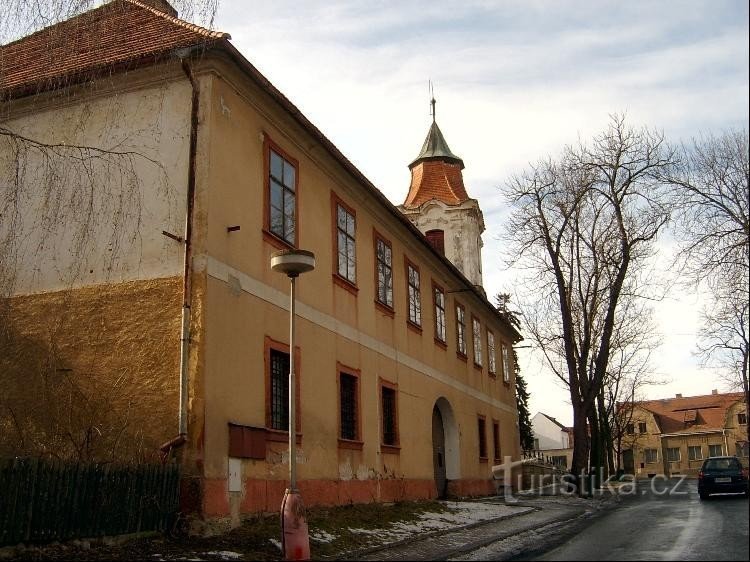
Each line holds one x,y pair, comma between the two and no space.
47,500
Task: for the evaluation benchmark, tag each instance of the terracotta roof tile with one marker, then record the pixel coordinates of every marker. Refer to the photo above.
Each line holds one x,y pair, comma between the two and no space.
117,33
435,179
692,413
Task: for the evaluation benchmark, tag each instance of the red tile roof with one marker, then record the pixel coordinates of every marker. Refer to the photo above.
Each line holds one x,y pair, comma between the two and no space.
117,34
692,413
436,179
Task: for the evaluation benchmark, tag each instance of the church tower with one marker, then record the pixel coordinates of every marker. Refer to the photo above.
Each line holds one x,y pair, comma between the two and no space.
438,205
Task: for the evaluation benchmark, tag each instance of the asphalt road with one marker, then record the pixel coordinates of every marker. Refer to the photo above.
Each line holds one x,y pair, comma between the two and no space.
660,520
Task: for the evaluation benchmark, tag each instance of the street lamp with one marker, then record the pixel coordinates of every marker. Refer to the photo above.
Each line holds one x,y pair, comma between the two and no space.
295,540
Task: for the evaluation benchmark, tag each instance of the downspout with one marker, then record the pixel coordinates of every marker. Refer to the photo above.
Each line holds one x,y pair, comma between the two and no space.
181,438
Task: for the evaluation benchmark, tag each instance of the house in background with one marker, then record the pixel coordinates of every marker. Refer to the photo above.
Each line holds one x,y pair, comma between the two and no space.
673,436
552,440
405,376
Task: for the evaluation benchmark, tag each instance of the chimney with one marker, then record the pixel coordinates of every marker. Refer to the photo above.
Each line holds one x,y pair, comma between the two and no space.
678,395
715,391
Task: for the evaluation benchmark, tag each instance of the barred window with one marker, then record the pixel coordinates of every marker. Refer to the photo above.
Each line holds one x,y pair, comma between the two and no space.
496,439
348,406
415,306
439,297
482,438
345,243
460,330
384,257
279,415
491,361
282,196
477,336
390,428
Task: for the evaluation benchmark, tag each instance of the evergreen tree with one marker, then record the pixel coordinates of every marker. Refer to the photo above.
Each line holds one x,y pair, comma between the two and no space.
522,394
522,402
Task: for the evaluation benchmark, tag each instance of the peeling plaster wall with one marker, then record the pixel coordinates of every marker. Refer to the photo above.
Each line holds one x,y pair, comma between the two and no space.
462,226
117,344
146,117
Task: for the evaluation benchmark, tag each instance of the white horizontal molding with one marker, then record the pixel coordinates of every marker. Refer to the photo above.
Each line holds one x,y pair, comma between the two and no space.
222,272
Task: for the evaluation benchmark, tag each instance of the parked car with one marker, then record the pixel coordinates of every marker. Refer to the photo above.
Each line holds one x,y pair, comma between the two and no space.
720,475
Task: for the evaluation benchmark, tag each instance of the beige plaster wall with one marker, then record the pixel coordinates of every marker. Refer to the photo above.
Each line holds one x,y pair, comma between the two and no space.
246,302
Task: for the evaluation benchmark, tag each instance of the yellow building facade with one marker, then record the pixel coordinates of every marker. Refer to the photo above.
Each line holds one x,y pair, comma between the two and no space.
672,437
405,375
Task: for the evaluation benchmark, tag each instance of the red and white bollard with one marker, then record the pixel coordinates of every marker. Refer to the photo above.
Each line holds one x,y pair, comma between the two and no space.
295,539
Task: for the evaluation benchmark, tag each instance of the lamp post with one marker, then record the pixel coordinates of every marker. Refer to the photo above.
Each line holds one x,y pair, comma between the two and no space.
295,540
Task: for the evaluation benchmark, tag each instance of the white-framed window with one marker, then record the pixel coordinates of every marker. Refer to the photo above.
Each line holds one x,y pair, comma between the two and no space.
476,329
695,452
439,299
650,455
460,329
715,450
346,243
673,454
491,360
415,304
506,361
384,273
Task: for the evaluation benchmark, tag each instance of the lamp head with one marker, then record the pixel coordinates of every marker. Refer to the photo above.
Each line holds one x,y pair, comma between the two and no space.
292,262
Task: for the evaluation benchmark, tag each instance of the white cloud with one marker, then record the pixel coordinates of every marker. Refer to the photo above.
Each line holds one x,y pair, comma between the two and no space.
515,81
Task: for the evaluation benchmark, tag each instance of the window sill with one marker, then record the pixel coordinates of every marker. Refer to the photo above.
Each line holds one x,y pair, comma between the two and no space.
278,436
414,327
440,343
462,356
506,383
477,366
390,449
483,459
350,444
492,375
344,283
275,241
384,308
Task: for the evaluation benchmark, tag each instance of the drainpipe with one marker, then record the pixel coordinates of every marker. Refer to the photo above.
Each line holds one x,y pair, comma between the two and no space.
181,438
186,286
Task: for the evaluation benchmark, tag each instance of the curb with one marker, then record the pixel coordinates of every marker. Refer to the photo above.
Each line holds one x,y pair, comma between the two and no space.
354,554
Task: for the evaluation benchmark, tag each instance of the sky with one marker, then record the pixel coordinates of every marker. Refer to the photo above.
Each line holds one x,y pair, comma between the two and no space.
514,81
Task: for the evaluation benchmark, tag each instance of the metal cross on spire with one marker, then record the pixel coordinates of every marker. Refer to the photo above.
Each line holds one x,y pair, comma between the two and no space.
432,100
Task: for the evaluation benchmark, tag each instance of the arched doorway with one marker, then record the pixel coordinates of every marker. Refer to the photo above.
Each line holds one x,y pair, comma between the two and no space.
445,451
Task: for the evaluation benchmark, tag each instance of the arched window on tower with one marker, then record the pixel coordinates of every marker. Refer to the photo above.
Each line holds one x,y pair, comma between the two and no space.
436,238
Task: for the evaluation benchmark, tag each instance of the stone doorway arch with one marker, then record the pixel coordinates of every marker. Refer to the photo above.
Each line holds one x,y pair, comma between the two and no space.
445,448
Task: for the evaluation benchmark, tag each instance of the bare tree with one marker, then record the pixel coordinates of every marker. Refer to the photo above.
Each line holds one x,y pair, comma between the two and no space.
584,227
712,198
71,199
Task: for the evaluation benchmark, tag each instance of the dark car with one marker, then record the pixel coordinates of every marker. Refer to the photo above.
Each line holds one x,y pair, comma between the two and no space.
720,475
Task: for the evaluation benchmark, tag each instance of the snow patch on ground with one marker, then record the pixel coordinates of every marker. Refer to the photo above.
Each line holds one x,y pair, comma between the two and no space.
225,554
459,514
321,536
